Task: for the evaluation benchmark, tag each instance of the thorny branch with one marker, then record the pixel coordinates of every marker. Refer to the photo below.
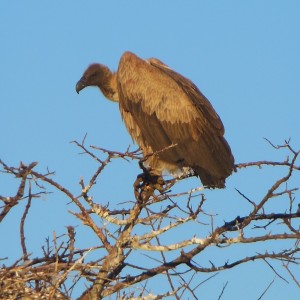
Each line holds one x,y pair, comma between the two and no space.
141,227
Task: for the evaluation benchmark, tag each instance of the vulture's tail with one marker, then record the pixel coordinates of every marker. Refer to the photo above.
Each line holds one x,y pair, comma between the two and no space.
209,180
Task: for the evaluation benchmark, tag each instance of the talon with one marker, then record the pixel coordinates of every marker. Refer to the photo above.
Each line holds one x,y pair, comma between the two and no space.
146,183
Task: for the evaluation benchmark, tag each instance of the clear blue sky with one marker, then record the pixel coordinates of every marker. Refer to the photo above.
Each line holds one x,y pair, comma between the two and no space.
243,55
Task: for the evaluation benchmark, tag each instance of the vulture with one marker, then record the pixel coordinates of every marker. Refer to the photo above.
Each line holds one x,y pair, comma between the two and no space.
173,123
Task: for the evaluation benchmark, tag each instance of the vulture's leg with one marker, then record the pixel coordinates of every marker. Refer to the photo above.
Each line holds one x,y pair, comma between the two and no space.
147,182
143,188
149,177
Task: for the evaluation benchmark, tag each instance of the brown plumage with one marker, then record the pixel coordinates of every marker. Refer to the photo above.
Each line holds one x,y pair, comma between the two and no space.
161,108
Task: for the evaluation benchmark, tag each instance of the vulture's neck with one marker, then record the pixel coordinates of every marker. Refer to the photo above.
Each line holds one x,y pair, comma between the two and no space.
108,86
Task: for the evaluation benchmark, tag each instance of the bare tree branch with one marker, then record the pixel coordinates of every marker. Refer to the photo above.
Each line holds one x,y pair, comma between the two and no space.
149,227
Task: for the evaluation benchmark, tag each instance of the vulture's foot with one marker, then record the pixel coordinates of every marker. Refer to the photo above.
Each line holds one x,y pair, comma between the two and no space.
145,185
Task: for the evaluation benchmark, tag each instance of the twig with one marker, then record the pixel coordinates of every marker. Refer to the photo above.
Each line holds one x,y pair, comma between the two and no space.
223,289
264,292
22,234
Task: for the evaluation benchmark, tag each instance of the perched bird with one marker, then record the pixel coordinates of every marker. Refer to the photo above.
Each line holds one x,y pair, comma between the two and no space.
166,114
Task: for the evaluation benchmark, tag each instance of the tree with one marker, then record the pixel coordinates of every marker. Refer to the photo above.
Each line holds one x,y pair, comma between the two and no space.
142,228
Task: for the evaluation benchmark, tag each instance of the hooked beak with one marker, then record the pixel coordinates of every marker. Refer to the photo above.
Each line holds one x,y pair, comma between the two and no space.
81,84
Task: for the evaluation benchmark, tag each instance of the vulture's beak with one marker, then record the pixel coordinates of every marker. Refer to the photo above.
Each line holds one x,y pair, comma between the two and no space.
81,84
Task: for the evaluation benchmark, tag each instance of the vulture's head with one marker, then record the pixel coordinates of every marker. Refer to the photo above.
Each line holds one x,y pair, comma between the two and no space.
95,75
100,76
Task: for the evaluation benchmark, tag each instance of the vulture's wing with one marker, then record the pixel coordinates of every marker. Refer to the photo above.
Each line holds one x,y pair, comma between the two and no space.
160,108
194,94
